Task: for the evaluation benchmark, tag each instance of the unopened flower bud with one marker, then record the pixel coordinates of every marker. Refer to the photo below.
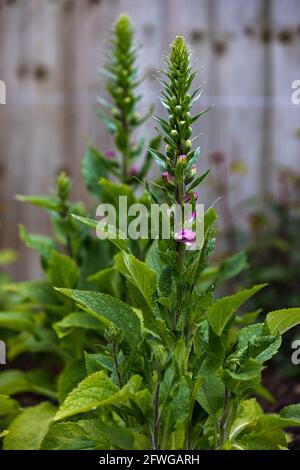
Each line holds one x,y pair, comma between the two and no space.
193,170
167,178
110,154
188,145
191,195
174,134
182,159
133,170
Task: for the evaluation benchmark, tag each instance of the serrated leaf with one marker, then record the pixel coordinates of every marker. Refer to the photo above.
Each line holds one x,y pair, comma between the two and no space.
76,320
95,391
28,429
223,310
280,321
139,274
109,310
67,436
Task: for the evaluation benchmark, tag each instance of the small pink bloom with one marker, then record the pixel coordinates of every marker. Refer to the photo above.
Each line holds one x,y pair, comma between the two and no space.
133,170
167,177
110,154
185,236
188,196
182,159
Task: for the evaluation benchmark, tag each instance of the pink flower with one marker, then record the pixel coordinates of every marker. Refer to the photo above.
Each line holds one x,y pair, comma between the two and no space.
188,196
133,170
110,154
185,236
167,178
182,159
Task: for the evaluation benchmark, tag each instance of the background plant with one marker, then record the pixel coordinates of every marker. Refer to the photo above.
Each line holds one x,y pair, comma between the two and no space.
43,331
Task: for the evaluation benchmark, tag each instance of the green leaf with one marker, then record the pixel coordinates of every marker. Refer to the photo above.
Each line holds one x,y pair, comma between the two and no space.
139,274
15,381
76,320
7,257
18,321
28,429
109,310
46,202
223,310
67,436
198,180
97,362
291,412
120,242
95,166
69,378
281,321
95,391
63,271
40,243
8,406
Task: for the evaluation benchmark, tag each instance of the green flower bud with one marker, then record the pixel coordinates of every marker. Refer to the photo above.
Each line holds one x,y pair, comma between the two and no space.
174,134
187,146
115,113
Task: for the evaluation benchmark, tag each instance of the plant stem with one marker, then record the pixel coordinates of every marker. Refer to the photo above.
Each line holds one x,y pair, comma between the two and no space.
224,419
156,420
180,254
116,364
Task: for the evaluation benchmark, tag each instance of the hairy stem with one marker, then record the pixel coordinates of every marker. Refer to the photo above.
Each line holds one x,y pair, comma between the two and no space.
156,419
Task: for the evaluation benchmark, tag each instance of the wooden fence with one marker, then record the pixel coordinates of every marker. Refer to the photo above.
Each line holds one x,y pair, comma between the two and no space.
50,53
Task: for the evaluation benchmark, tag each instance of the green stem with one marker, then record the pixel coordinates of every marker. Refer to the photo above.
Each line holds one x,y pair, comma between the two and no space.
223,425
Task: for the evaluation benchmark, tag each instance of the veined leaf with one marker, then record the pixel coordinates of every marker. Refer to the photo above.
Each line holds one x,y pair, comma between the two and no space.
223,310
28,429
281,321
139,274
77,320
109,310
95,391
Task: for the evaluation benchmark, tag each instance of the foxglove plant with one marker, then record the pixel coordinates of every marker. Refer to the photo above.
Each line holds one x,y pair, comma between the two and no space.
120,115
176,369
172,368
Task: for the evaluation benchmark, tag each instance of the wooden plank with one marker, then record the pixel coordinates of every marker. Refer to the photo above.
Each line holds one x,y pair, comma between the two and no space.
285,22
236,84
